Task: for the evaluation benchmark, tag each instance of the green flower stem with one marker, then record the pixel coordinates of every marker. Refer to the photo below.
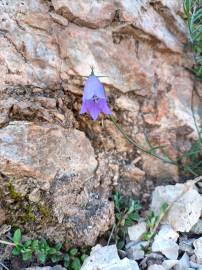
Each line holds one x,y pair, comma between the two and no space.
7,243
130,140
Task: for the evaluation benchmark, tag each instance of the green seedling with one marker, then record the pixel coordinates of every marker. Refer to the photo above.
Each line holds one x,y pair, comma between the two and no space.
126,214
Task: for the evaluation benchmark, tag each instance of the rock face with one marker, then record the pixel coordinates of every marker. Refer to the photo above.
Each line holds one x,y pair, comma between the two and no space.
45,49
45,152
53,158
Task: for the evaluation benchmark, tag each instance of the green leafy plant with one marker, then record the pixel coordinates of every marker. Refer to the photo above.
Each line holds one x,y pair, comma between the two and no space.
193,14
126,213
72,259
39,248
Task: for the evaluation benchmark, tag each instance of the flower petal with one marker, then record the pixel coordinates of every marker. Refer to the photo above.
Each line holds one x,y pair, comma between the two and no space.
83,107
93,109
93,87
104,106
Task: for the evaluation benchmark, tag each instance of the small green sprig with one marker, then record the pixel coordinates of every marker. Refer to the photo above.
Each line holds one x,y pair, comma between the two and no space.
153,221
126,213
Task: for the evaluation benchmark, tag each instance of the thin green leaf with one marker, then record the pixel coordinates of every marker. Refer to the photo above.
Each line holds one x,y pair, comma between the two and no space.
17,236
76,264
73,251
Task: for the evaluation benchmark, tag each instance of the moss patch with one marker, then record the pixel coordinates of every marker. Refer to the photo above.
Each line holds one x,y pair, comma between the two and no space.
21,212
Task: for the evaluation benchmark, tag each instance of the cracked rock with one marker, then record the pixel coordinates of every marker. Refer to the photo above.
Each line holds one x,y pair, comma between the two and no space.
61,163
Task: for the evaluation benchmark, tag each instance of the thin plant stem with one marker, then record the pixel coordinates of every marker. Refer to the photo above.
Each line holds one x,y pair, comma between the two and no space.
130,140
111,234
4,266
7,243
194,117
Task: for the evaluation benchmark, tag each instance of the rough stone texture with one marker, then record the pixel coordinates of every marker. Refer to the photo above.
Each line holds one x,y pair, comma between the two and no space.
198,249
197,228
106,258
46,46
165,242
136,231
169,264
45,152
156,267
183,263
186,211
50,44
185,204
54,158
135,251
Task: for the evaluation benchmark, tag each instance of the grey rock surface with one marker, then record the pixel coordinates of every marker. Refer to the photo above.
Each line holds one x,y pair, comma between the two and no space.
106,258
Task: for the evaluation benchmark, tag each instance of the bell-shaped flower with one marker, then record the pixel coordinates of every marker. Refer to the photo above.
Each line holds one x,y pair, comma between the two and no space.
94,99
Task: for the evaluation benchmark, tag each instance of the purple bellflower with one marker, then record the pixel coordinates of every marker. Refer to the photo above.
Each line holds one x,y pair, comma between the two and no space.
94,99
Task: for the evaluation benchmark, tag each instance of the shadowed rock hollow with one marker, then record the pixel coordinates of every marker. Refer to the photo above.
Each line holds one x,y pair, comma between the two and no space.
62,163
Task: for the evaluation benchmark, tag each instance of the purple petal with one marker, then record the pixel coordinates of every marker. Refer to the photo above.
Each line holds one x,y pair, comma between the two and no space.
104,106
93,87
83,107
93,109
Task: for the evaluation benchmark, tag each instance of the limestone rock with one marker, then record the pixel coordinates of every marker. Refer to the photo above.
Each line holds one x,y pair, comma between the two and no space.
84,13
183,263
155,267
186,205
169,264
198,249
167,233
165,242
169,248
186,245
135,251
38,151
186,211
48,158
152,259
136,232
197,228
46,46
106,258
135,254
165,194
